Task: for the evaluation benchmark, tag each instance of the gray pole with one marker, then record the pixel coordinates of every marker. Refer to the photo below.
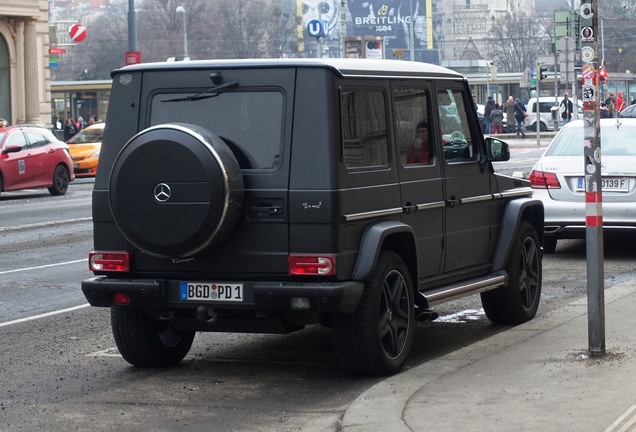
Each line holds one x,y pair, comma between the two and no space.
132,26
411,38
537,125
556,88
593,195
343,28
179,10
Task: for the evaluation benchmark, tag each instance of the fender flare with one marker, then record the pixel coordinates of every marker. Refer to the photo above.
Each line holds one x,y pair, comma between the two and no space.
516,210
373,241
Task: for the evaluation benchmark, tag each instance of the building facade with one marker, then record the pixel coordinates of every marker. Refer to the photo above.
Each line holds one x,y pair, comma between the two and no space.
24,71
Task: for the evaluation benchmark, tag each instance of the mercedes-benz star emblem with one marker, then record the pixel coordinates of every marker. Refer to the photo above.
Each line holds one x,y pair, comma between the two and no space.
162,192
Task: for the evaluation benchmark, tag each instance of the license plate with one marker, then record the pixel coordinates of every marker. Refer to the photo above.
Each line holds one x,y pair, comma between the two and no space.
609,184
215,291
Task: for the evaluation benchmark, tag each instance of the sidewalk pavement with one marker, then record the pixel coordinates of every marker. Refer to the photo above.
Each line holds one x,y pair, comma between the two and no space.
537,376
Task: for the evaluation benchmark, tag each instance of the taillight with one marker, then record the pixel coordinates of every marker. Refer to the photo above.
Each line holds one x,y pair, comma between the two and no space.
312,265
543,180
109,261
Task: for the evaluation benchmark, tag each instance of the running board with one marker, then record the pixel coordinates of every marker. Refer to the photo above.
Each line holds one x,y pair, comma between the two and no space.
464,289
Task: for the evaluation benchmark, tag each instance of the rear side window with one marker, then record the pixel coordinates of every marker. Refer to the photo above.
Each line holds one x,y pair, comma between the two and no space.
364,128
250,123
412,134
36,139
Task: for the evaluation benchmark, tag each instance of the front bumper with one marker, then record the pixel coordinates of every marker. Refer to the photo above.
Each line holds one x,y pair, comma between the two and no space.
326,297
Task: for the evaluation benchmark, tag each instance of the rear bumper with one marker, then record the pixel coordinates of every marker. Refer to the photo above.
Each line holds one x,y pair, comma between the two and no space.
326,297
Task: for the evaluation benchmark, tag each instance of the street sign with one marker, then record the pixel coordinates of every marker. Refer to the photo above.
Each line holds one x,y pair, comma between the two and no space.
77,32
561,16
53,62
57,51
317,28
132,57
546,60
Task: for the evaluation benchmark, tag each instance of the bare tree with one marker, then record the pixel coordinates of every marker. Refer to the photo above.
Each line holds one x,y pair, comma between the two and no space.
101,51
516,43
619,34
215,29
255,28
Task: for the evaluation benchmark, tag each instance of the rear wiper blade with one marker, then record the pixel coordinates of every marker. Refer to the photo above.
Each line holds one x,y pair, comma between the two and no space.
211,92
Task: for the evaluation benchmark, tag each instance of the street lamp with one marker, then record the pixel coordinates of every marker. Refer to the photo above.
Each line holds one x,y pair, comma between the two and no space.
181,9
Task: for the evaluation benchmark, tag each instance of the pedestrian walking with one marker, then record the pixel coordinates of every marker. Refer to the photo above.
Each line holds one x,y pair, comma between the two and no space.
509,109
496,119
565,108
520,116
490,105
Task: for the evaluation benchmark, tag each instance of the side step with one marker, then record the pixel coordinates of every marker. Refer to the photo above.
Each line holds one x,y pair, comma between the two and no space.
463,289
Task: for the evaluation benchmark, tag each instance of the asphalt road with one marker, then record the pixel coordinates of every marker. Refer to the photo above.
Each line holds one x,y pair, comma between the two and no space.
60,371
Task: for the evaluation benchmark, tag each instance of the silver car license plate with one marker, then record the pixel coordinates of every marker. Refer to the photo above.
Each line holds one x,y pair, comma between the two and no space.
609,184
211,291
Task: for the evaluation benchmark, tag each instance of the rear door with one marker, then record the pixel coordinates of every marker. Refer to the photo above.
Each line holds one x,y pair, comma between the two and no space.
252,116
43,158
421,187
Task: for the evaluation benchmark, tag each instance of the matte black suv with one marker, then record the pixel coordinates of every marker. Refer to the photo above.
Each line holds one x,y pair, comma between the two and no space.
266,195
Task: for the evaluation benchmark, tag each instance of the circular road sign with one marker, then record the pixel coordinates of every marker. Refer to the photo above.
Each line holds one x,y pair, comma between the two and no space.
316,28
77,32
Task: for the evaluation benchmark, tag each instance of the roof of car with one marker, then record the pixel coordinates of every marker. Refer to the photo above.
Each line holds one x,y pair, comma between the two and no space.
345,67
22,126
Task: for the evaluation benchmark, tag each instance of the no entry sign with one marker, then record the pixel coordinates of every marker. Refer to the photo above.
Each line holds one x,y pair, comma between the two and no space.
77,32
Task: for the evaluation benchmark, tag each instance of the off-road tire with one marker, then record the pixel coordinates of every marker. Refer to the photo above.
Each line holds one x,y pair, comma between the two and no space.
376,338
143,341
517,302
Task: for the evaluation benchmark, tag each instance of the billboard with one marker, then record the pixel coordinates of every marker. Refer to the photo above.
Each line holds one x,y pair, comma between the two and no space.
397,22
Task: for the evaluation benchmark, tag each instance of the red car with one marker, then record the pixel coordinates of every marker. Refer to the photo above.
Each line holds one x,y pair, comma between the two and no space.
31,157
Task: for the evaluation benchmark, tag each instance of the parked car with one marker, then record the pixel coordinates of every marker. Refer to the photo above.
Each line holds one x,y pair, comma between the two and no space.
266,195
628,112
547,106
558,181
85,147
31,157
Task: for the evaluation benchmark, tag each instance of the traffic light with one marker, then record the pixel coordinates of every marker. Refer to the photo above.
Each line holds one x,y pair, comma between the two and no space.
542,71
602,75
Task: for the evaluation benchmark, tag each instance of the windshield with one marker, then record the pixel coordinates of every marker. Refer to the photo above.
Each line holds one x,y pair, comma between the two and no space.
250,121
614,141
87,136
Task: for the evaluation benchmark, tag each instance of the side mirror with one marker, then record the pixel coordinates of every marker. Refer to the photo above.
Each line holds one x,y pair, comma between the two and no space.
11,149
498,150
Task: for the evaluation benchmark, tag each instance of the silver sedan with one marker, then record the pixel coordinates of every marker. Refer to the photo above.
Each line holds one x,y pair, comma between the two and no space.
558,180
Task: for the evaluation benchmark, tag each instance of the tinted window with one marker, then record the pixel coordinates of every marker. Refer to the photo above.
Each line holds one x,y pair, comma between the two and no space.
412,125
364,128
250,122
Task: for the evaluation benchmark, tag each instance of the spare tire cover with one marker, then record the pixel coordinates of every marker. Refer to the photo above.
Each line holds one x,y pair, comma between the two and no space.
175,190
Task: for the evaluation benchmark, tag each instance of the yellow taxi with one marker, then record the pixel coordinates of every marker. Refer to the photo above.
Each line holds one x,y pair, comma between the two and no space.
85,147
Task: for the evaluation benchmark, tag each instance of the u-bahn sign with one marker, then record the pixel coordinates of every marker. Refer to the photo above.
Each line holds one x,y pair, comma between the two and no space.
317,28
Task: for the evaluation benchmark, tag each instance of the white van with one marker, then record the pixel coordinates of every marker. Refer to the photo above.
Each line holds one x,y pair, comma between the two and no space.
546,103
